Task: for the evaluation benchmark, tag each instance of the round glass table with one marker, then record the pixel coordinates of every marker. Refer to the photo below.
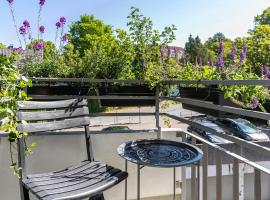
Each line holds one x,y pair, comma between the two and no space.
158,153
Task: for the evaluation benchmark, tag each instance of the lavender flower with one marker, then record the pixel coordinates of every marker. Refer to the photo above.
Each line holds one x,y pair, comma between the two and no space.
42,2
63,20
58,24
245,49
255,102
243,54
211,64
42,29
26,24
162,54
169,52
175,52
38,46
22,30
233,54
220,60
10,1
265,72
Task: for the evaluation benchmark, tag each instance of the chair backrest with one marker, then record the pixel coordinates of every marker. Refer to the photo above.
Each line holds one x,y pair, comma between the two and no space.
34,117
53,115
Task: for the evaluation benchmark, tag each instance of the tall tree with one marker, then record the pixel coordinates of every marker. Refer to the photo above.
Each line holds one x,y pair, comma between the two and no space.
98,47
264,18
213,45
147,41
196,52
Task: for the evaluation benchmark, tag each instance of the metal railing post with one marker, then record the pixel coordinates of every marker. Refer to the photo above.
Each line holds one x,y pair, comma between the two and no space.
194,189
183,175
257,185
205,171
157,112
218,176
235,179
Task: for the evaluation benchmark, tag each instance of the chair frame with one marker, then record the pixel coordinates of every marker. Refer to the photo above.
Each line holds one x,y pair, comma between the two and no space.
24,192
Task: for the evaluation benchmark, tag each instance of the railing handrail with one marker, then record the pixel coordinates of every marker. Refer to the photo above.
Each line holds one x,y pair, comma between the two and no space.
218,82
250,145
229,153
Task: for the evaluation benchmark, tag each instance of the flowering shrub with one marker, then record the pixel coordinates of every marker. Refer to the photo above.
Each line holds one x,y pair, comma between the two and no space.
25,32
13,83
247,96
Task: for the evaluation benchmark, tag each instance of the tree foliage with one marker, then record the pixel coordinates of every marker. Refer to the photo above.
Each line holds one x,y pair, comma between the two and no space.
146,41
102,54
259,46
196,52
263,19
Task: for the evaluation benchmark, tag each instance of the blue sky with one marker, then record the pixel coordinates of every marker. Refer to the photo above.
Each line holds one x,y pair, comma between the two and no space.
197,17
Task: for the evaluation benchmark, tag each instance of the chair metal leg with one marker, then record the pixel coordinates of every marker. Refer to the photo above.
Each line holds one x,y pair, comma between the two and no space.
24,192
126,168
97,197
174,188
138,181
198,180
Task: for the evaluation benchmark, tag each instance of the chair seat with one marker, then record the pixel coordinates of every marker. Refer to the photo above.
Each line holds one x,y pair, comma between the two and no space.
76,182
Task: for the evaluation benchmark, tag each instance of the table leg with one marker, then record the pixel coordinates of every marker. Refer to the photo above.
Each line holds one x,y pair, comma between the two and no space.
174,193
198,180
126,168
138,181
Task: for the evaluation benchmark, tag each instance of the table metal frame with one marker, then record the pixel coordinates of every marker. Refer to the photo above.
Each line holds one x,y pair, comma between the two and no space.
139,167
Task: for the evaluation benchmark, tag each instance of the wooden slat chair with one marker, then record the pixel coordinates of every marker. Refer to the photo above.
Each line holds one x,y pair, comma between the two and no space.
88,179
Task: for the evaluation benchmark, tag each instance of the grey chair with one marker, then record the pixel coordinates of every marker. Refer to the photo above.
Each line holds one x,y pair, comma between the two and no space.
86,180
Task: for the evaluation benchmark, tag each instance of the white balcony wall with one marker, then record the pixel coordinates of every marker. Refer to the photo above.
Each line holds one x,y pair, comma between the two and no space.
56,152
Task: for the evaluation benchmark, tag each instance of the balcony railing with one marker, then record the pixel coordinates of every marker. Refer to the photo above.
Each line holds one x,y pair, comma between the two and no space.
214,154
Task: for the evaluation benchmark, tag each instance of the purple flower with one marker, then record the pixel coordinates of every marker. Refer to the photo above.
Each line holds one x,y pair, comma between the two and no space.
243,54
26,24
233,54
39,46
42,2
42,29
162,54
211,64
265,72
10,1
220,60
22,30
58,24
63,20
175,52
255,102
65,38
245,49
169,52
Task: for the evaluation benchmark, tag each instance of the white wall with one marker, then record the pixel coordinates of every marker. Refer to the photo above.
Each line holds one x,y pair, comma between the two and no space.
56,152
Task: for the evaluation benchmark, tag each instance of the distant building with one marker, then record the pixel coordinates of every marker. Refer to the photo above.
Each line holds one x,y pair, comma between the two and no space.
174,51
35,56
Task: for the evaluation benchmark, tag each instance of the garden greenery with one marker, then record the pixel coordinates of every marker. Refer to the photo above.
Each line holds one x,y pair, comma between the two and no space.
12,91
